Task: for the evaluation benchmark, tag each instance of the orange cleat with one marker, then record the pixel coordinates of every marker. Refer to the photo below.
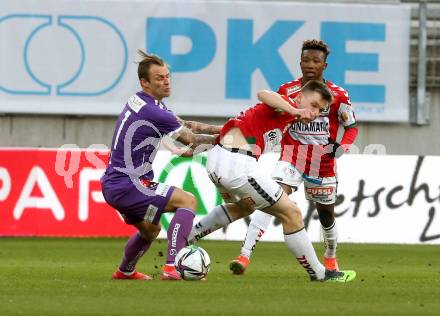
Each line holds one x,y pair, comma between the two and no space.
239,265
170,273
331,264
118,275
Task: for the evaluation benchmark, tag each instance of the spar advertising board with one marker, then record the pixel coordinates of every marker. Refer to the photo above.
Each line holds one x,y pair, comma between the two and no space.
381,198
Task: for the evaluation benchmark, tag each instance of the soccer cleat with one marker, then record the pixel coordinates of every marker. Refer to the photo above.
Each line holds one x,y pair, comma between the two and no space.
239,265
339,276
118,275
170,273
331,264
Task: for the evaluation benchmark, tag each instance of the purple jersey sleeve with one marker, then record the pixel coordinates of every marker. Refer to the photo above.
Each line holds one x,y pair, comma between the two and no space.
164,120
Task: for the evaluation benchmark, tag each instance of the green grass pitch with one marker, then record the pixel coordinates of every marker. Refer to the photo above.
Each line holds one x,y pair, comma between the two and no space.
40,276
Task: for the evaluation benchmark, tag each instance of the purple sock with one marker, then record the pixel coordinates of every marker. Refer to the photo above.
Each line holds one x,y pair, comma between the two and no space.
134,249
178,232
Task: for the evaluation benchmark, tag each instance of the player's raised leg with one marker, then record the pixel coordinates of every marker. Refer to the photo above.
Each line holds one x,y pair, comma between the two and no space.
220,216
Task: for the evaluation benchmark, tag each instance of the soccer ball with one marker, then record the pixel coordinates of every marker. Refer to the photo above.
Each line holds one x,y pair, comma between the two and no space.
192,263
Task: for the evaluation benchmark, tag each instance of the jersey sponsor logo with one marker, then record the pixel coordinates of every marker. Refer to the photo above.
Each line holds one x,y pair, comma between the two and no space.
135,103
272,140
294,89
150,213
320,192
147,183
314,127
346,114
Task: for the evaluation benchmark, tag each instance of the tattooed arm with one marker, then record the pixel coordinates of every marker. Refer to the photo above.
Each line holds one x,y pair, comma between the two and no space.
201,128
197,142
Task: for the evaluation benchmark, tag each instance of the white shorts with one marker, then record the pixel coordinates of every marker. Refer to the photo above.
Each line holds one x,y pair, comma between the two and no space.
237,177
321,190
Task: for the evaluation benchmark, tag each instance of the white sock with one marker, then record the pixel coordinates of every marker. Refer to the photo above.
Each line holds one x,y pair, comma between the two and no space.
330,235
301,247
258,225
219,217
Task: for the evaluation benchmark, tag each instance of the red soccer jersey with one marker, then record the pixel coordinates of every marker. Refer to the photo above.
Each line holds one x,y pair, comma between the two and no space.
261,125
303,144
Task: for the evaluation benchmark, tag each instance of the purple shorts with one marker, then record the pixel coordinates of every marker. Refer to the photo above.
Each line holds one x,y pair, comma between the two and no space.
145,200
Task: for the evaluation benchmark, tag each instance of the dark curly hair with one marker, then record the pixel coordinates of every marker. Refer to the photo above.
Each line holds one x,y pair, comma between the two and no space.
317,45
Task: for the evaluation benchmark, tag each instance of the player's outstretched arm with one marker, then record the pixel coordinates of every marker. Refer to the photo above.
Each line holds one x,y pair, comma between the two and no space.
201,128
282,103
197,142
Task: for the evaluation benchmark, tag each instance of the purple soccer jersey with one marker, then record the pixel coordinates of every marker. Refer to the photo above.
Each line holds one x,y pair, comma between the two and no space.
126,184
139,129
